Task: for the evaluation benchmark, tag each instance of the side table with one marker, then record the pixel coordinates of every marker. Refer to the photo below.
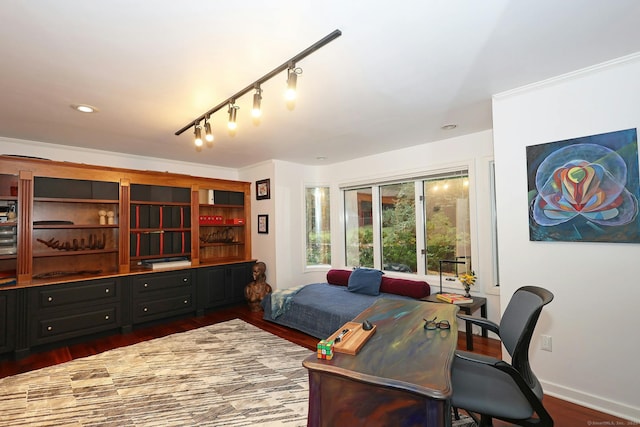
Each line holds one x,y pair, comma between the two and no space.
469,308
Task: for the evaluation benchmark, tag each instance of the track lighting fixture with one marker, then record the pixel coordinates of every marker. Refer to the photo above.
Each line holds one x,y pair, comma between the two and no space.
207,130
292,76
198,133
231,124
257,100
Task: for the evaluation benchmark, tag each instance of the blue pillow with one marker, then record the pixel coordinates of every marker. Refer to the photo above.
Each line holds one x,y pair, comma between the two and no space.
365,281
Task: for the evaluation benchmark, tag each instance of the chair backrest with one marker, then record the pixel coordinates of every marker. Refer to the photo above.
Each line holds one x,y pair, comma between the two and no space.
516,328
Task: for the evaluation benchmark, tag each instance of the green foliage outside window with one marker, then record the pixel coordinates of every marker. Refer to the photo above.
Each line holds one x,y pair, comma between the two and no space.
399,227
318,226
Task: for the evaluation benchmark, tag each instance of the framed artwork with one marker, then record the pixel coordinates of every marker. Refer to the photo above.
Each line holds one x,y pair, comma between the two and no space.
263,224
585,189
263,189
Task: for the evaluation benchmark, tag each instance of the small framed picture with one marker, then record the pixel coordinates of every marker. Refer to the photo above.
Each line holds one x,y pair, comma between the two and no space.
263,224
263,189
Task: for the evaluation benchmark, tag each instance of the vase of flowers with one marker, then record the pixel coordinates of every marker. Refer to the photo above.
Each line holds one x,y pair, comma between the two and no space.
467,280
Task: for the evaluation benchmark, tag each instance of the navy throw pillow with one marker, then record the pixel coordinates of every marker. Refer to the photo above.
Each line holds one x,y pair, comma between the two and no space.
365,281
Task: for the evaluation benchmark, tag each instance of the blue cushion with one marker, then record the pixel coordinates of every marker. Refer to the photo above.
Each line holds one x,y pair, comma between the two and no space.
365,281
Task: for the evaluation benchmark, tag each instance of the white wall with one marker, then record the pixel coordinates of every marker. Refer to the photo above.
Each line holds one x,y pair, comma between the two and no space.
283,249
592,319
263,246
290,221
66,153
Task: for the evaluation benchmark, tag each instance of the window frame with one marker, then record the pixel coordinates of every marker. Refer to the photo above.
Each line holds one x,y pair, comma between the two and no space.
417,177
307,266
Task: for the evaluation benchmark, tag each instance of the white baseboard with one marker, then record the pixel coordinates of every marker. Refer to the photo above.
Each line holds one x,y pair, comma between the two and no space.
597,403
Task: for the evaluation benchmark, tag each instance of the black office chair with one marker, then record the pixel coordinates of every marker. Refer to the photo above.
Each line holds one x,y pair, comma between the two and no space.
492,388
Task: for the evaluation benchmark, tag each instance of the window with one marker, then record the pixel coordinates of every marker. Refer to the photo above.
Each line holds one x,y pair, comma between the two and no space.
410,226
318,226
447,236
398,227
358,227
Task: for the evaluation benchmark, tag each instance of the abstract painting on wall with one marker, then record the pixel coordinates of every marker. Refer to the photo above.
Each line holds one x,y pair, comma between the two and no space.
585,189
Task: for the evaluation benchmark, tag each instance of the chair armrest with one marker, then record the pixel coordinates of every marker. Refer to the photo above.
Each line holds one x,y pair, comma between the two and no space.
480,321
477,358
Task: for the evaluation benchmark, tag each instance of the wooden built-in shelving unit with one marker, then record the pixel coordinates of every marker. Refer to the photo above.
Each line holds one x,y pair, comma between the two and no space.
79,238
153,215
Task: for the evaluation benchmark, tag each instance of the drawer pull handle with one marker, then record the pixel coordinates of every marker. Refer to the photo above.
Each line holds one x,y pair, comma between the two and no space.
146,285
145,309
50,299
185,280
186,301
106,290
106,317
49,328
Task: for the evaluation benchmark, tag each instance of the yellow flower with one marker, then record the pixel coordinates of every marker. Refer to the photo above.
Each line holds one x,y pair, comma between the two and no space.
467,279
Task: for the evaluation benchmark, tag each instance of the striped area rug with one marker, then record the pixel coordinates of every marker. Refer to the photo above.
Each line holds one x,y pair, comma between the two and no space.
227,374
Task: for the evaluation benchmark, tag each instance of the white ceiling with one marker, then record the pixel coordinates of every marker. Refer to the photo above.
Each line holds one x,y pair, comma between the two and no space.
398,73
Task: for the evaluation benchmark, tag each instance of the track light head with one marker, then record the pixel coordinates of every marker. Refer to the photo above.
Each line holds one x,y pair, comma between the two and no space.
231,124
257,100
198,135
292,80
207,130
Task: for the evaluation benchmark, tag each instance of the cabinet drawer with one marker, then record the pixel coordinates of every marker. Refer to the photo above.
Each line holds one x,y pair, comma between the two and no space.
94,292
55,328
166,281
163,307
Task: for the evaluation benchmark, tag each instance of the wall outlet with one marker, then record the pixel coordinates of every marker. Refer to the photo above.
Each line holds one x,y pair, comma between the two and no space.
545,344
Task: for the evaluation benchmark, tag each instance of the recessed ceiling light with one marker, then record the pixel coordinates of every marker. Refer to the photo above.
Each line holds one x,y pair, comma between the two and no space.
449,126
84,108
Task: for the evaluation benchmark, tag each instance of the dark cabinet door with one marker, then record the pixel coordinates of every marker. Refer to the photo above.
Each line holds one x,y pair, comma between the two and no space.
212,287
238,277
7,321
223,285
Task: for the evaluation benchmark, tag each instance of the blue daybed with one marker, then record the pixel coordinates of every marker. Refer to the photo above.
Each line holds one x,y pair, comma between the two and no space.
319,309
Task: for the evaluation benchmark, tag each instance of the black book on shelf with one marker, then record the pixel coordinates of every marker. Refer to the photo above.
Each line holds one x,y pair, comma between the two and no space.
154,216
134,244
186,217
154,243
166,243
177,242
176,216
144,244
144,216
167,216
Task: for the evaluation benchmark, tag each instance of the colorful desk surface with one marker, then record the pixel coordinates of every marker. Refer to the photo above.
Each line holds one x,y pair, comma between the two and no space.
402,354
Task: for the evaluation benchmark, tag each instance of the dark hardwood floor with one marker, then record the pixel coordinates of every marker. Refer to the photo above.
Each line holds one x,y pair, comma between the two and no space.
565,414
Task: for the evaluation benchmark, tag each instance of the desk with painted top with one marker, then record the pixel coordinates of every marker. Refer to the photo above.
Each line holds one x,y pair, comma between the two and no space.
402,375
